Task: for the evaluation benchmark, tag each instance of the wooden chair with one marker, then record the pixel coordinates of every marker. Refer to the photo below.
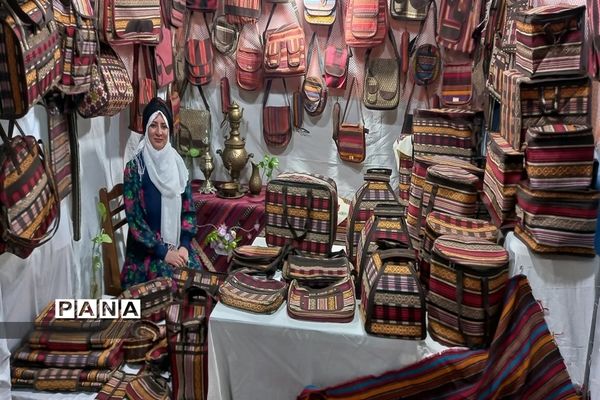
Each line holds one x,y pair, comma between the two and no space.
115,220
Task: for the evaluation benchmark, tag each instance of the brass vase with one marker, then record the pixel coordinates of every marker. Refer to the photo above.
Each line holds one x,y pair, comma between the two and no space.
234,156
255,182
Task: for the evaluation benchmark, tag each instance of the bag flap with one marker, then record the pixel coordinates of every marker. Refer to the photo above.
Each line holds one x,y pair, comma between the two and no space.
249,60
198,52
294,47
313,89
353,129
365,8
336,61
83,8
272,55
224,33
164,52
319,7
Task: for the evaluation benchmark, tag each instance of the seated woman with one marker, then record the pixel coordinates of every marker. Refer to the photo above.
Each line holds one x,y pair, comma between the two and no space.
158,204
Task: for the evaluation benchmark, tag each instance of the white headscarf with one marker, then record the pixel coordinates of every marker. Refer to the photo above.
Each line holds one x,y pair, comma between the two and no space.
168,173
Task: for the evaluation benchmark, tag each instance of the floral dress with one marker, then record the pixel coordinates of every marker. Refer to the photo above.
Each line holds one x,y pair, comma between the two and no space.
144,256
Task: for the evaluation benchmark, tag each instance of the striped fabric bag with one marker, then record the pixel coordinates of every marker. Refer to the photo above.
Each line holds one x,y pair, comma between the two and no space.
199,61
456,85
277,120
207,280
284,48
204,6
387,222
349,137
333,303
252,293
466,287
557,221
109,358
393,302
365,23
249,68
457,21
115,388
500,61
46,320
101,339
559,156
550,40
316,272
503,172
438,224
445,131
320,12
61,140
258,258
301,210
122,22
412,10
155,296
141,339
523,362
61,379
534,102
376,189
148,386
509,29
242,11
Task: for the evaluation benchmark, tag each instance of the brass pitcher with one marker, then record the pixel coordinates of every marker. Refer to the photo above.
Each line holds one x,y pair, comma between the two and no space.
234,156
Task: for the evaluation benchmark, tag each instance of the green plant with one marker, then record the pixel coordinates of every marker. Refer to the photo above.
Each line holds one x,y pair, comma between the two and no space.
193,152
268,164
222,239
101,237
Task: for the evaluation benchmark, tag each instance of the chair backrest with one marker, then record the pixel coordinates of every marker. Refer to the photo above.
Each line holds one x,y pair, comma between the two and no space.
115,220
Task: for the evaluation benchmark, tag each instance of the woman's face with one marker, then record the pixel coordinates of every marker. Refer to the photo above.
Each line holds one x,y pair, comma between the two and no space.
158,132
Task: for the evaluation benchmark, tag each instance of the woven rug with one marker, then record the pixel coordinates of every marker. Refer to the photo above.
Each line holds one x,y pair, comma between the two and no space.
523,362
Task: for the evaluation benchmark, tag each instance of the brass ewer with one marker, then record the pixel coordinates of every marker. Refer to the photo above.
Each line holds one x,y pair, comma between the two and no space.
207,167
234,156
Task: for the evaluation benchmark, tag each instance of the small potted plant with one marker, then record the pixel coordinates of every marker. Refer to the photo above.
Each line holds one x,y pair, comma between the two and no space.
101,237
267,165
223,240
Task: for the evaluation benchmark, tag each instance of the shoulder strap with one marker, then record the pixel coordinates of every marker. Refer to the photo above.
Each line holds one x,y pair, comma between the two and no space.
394,45
348,99
185,85
268,90
296,13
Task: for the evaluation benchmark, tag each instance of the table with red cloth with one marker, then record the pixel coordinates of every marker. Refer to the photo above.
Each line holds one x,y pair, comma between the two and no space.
245,215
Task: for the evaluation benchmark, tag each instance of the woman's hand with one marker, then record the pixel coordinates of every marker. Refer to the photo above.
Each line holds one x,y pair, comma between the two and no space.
175,259
183,252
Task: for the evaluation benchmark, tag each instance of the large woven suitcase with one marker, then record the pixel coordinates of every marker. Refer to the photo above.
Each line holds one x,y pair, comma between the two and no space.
550,40
466,287
301,210
376,189
387,222
557,222
503,170
438,224
533,102
393,302
450,189
559,156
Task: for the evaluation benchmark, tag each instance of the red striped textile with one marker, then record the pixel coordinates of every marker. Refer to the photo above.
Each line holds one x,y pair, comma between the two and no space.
365,23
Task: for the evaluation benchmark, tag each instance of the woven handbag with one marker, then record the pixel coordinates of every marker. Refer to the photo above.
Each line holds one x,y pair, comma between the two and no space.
249,63
195,126
144,89
559,156
392,300
173,12
252,293
334,303
29,198
285,53
376,189
349,138
277,120
242,12
314,88
382,80
438,224
155,296
466,288
316,271
365,23
457,21
257,258
162,54
387,222
456,85
301,210
199,61
550,40
121,22
207,280
148,387
110,90
142,338
224,35
320,12
30,56
411,10
500,61
337,58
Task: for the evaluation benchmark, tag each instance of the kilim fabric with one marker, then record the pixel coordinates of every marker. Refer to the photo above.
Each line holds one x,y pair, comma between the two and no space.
59,142
503,170
365,23
456,85
319,12
158,356
224,36
253,293
75,20
392,300
451,190
405,165
130,22
557,221
523,362
550,40
457,21
413,10
376,189
382,80
80,341
30,56
110,357
444,131
350,142
61,379
438,224
155,295
148,386
534,102
207,280
285,53
500,61
242,11
46,320
260,258
333,303
419,173
301,210
387,222
142,337
187,340
337,57
174,12
249,68
199,61
114,389
509,30
466,286
314,271
559,156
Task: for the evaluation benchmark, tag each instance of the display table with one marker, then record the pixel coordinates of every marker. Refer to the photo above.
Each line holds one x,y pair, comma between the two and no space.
245,213
565,287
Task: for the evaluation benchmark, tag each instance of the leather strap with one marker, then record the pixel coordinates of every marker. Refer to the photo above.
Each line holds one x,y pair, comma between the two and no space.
268,90
286,217
348,99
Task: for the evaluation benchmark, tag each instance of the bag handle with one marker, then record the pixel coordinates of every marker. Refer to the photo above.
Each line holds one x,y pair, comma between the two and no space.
341,30
286,216
185,85
189,24
268,90
390,35
314,44
348,99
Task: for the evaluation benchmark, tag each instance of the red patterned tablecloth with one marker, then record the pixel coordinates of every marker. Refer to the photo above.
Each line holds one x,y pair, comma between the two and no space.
246,213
